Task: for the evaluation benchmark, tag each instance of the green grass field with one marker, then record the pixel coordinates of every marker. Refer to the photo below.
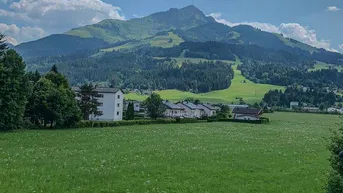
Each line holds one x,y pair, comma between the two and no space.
287,155
249,91
322,65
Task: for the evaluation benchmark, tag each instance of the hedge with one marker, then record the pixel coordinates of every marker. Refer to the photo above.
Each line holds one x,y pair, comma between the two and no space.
91,124
263,120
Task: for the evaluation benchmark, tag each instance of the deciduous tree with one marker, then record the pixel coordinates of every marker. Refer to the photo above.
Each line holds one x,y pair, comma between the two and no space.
155,107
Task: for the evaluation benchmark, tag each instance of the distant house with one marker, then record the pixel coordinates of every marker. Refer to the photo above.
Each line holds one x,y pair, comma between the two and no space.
111,104
247,113
137,105
207,110
173,110
238,106
294,105
335,110
191,110
311,109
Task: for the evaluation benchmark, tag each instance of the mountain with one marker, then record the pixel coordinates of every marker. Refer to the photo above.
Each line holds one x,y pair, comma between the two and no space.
116,30
165,29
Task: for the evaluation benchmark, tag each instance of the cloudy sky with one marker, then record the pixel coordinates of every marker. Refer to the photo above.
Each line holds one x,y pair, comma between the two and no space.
315,22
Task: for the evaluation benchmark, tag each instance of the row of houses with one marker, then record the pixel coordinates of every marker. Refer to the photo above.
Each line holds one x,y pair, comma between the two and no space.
112,106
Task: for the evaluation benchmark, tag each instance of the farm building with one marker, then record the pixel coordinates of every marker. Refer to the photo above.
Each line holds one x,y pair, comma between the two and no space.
247,113
173,110
111,104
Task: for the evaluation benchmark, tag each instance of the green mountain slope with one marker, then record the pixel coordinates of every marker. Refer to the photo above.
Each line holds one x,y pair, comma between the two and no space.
135,29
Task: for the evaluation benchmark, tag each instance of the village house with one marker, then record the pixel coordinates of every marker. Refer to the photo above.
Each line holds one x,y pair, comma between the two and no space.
247,114
311,109
238,106
335,110
137,105
294,105
207,110
173,110
191,110
111,104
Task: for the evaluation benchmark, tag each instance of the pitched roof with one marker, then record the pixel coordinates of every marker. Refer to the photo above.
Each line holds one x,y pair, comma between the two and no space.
246,111
209,106
172,106
100,90
190,105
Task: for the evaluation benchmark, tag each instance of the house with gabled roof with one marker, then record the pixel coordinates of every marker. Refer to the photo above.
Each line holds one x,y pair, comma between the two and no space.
207,110
251,114
191,110
173,110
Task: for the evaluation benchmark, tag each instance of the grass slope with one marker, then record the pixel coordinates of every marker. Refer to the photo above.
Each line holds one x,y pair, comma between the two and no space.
322,65
156,41
249,91
287,155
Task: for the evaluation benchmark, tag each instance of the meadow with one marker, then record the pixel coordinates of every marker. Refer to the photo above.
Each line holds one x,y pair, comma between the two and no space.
240,88
287,155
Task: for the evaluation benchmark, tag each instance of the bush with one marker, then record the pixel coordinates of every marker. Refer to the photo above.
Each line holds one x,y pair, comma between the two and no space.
261,121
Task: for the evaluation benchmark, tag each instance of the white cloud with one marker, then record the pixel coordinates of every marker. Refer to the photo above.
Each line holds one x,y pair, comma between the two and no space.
341,47
290,30
57,16
333,8
15,34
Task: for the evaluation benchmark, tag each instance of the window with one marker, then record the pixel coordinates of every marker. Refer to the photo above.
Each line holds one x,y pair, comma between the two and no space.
117,112
100,95
101,104
118,105
118,96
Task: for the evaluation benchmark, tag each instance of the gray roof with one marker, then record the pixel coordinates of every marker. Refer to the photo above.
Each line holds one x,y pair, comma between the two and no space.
172,106
247,111
100,90
208,106
190,105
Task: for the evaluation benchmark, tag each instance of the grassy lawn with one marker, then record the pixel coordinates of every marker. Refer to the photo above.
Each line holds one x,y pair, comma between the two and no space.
322,65
287,155
249,91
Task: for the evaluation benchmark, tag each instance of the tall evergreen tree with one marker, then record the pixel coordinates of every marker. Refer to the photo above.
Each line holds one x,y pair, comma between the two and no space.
3,45
14,89
335,183
88,102
154,104
130,113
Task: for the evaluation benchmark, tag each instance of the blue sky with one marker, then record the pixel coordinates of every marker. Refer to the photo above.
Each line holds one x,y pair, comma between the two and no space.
316,22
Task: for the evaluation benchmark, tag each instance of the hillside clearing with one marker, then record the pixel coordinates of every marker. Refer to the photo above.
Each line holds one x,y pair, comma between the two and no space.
323,66
287,155
240,88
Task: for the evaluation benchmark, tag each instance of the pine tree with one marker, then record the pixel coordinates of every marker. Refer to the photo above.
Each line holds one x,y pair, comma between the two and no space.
88,102
130,113
3,45
14,89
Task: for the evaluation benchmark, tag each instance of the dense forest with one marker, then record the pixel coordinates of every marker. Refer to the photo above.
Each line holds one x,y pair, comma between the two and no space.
316,97
284,75
138,71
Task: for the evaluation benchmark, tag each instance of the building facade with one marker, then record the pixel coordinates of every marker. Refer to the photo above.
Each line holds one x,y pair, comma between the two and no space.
250,114
207,110
111,104
173,110
191,110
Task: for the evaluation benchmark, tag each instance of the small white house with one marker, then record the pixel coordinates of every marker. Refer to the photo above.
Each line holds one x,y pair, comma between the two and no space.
334,110
250,114
173,110
111,104
207,110
136,105
191,110
294,105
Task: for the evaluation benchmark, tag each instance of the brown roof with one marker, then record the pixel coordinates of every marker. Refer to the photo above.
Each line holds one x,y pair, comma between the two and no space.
247,111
